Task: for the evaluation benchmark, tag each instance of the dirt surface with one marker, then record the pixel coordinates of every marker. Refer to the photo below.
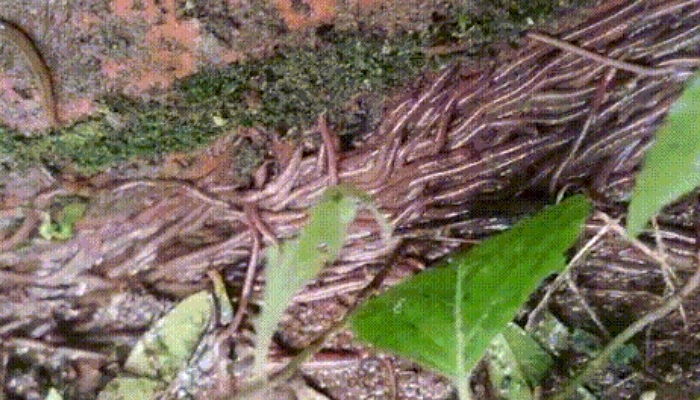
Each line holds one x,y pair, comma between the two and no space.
140,48
461,152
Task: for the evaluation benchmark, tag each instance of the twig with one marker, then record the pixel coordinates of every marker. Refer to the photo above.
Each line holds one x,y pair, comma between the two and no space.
667,272
620,230
71,353
611,62
587,307
659,256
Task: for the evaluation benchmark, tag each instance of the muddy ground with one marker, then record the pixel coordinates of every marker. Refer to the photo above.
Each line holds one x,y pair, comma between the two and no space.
191,131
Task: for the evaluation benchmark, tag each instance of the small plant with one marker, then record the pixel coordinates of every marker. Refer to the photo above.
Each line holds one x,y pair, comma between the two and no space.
294,263
62,227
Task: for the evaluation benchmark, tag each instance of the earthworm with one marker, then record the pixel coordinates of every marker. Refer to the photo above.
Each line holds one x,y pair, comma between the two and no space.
258,225
190,189
622,65
190,221
290,173
597,101
196,262
622,134
42,74
247,284
613,165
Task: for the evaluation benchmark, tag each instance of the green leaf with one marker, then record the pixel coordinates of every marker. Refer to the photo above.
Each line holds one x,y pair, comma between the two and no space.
291,265
53,394
71,213
46,229
552,334
507,378
532,360
168,345
625,355
62,229
131,389
445,317
672,166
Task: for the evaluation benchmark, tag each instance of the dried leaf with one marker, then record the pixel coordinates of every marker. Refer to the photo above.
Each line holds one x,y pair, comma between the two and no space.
672,166
446,317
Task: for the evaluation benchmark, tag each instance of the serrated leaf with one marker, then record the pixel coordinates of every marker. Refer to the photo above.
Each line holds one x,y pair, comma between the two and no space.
291,265
445,317
671,168
168,345
131,389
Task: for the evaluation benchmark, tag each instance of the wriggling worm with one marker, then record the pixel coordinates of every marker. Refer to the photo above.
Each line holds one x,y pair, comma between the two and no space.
14,35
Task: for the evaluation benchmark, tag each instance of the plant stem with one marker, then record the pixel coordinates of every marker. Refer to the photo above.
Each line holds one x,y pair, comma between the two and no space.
463,389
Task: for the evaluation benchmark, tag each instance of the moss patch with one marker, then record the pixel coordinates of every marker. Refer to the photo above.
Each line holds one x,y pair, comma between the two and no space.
345,73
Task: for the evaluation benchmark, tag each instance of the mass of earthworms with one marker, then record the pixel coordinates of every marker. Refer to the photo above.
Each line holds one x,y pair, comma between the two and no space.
462,154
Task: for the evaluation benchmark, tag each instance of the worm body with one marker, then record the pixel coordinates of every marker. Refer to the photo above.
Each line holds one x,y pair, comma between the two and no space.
14,35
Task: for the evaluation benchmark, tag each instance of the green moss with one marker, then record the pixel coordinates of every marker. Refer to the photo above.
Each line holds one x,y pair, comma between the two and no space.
291,89
346,74
502,20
